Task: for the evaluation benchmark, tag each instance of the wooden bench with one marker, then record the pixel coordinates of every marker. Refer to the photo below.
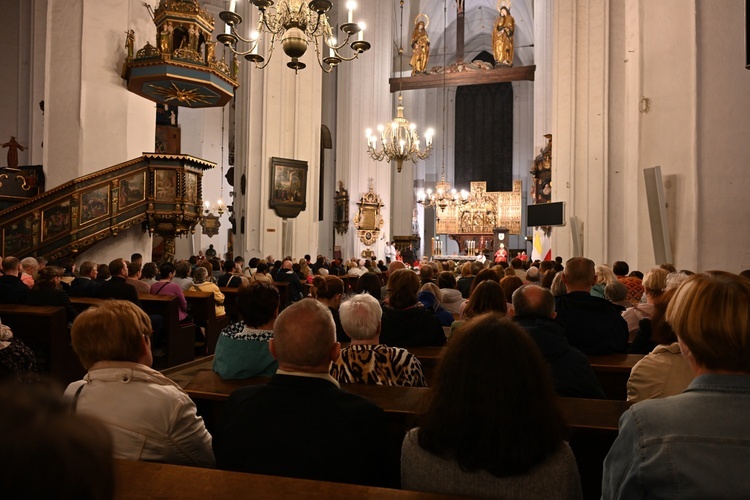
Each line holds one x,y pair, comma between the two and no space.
230,303
613,371
593,423
44,330
203,309
155,481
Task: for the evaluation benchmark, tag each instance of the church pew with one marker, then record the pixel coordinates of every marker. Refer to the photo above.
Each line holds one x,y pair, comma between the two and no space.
155,481
180,338
203,309
44,330
613,371
592,423
230,303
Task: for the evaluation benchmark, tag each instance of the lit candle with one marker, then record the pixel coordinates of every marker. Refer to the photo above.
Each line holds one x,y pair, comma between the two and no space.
255,37
232,5
351,5
227,29
331,44
362,27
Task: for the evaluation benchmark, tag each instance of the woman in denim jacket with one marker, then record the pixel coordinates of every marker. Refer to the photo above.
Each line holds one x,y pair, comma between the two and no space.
695,444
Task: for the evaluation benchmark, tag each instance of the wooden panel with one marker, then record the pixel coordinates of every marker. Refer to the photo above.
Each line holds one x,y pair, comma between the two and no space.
482,77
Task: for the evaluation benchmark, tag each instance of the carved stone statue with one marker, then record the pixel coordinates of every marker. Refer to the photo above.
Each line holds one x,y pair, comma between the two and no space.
502,38
420,45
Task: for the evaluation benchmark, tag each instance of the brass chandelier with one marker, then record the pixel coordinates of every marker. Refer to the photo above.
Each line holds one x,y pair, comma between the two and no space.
399,139
297,24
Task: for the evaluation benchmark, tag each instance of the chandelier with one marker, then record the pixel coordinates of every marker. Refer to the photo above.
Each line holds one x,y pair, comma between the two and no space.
297,24
399,139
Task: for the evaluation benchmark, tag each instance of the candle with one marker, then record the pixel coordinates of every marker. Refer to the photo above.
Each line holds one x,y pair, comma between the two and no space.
362,27
331,44
227,29
256,41
351,5
232,5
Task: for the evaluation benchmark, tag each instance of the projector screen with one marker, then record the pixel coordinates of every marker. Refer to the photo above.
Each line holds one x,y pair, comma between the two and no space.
545,214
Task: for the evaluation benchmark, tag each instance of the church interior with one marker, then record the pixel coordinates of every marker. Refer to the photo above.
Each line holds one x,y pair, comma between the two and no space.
461,130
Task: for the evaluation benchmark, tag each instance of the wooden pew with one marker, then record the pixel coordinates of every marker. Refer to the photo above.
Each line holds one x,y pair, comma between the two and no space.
592,423
180,338
203,309
44,330
613,371
230,303
155,481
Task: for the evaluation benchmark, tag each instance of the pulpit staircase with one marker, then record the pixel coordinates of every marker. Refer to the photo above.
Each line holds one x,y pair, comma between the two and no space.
162,193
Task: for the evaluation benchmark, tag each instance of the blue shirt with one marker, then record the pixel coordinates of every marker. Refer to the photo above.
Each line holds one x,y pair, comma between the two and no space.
693,445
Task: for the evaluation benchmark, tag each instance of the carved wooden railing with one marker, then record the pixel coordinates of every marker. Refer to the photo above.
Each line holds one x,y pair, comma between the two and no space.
163,193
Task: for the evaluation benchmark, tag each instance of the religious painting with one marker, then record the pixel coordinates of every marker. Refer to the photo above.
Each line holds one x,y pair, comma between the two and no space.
55,220
288,186
17,237
132,190
94,204
191,188
166,185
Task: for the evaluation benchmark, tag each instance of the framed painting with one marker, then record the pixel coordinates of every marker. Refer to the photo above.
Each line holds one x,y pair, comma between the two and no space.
288,187
191,188
165,182
94,204
55,220
132,190
17,237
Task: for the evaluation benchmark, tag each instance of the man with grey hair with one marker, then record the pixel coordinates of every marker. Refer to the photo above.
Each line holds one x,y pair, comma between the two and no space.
532,275
367,361
292,426
592,324
534,308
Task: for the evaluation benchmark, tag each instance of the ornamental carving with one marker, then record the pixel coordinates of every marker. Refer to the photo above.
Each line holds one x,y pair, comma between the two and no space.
368,220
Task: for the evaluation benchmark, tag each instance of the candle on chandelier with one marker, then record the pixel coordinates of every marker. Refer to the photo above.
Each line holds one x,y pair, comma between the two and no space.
362,27
331,44
255,37
232,5
351,5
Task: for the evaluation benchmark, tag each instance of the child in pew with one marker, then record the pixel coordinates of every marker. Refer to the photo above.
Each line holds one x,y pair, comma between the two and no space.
242,349
150,417
491,428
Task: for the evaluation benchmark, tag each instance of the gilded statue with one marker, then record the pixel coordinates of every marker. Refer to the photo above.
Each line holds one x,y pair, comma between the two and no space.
164,41
420,45
502,37
130,42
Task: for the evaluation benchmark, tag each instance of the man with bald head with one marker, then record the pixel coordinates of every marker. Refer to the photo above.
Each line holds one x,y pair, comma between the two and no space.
301,424
534,308
294,288
592,324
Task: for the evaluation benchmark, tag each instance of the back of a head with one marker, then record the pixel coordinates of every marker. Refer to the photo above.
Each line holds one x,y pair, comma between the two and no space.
150,270
484,275
579,272
516,263
533,300
111,332
604,274
50,452
360,316
229,266
546,265
710,313
426,273
182,269
510,284
486,297
103,272
395,266
532,275
403,285
476,267
10,264
136,257
257,303
547,278
466,270
166,269
215,265
327,287
46,277
29,265
304,334
620,268
558,285
67,265
434,290
262,268
133,269
368,283
446,279
655,281
116,267
200,274
86,268
616,291
498,412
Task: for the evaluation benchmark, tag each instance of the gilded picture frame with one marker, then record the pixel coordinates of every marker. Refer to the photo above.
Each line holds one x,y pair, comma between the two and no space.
132,190
288,187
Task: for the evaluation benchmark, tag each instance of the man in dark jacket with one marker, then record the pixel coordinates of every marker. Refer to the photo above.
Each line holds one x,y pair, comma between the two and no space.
117,287
301,410
85,285
294,289
12,289
534,308
592,325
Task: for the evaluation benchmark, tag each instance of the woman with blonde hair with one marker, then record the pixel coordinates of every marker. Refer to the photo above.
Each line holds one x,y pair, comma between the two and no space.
694,444
150,417
654,284
604,276
432,299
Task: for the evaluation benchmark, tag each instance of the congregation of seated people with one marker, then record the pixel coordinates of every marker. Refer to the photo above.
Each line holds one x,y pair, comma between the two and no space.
487,428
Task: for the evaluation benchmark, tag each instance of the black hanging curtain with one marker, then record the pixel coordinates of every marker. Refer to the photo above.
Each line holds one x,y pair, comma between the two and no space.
484,136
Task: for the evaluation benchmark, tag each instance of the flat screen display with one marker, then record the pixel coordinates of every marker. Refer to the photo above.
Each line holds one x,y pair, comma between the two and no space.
546,214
